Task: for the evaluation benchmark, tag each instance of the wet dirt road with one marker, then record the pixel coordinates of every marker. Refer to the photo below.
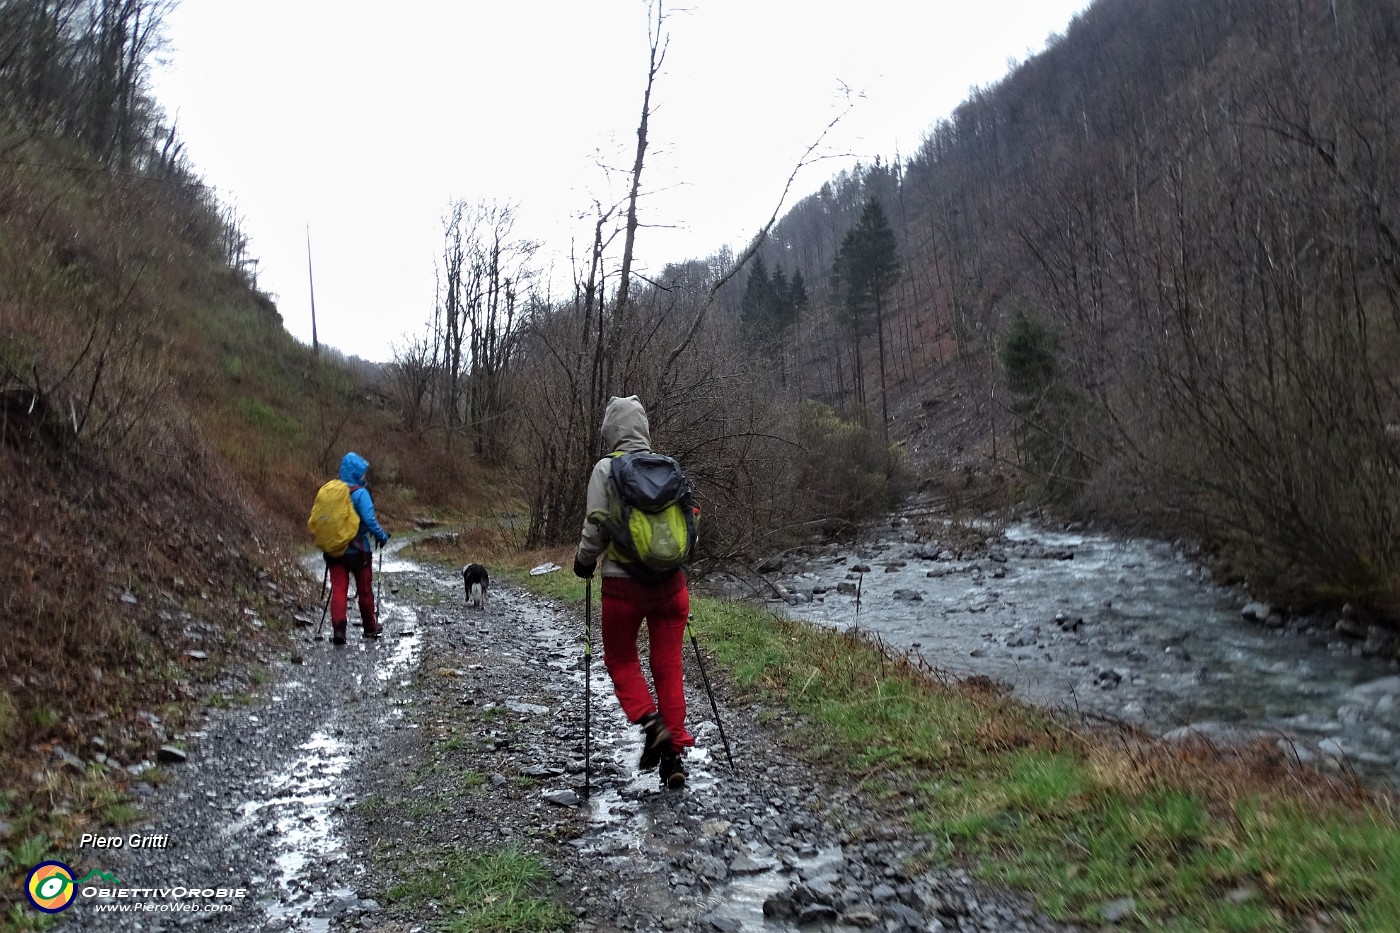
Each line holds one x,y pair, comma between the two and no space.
354,770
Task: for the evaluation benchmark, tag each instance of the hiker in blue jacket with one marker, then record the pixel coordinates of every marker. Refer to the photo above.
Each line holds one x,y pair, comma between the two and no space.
357,559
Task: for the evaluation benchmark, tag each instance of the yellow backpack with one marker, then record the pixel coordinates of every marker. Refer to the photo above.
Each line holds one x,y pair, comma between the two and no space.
334,521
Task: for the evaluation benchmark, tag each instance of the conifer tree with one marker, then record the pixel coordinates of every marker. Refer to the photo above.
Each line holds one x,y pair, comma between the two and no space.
753,308
797,294
864,275
777,310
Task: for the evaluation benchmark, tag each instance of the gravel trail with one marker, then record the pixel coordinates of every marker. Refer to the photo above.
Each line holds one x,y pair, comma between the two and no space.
357,770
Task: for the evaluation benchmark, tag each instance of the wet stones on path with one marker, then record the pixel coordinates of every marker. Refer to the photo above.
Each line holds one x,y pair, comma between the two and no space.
359,768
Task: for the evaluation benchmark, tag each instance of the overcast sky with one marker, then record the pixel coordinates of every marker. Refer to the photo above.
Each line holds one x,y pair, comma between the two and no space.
363,121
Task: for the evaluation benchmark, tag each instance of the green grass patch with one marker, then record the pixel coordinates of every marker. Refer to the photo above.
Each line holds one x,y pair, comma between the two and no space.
1068,815
372,807
451,745
268,421
484,891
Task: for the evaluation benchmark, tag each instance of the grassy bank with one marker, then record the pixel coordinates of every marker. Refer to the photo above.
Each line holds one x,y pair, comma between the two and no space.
1096,824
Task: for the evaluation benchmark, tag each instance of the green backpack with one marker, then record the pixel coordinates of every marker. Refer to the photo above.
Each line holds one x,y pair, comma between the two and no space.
652,521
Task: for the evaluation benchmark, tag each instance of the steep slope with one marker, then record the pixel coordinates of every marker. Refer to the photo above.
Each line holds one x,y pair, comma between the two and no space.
161,439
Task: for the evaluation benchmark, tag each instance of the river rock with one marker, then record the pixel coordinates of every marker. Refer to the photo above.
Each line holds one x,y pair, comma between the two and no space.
1216,732
1371,692
1256,611
1351,627
1107,678
1380,643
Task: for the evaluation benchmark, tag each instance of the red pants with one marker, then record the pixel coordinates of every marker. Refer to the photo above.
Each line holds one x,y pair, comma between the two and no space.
361,566
665,607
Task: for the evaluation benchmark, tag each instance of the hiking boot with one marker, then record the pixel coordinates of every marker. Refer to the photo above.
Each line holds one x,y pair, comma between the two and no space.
373,630
338,633
672,771
656,741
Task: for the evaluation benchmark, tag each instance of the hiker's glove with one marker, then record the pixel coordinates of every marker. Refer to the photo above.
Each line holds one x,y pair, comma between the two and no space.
583,570
384,540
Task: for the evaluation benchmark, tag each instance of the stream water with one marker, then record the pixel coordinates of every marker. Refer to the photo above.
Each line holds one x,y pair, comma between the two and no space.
1125,628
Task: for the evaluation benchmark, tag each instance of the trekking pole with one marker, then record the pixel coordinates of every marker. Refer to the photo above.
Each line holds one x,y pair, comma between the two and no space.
713,705
326,604
379,588
587,687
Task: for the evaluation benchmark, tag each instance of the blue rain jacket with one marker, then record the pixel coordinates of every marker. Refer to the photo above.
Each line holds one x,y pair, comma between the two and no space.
352,473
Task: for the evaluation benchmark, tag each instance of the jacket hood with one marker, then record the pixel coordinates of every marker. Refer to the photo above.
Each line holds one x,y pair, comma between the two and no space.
625,425
352,469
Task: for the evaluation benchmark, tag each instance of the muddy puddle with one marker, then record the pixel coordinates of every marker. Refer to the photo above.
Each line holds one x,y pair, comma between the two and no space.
1130,629
308,878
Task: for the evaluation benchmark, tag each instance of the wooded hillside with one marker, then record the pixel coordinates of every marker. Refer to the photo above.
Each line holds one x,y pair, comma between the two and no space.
1164,252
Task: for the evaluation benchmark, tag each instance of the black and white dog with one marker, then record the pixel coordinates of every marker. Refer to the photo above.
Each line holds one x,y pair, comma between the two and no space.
475,580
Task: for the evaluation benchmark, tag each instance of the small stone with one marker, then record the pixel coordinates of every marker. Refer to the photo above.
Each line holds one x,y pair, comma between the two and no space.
780,906
817,913
1118,911
860,917
743,864
541,771
563,798
170,754
1242,894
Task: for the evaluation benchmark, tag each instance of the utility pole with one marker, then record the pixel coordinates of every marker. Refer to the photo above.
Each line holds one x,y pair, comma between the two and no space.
311,280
